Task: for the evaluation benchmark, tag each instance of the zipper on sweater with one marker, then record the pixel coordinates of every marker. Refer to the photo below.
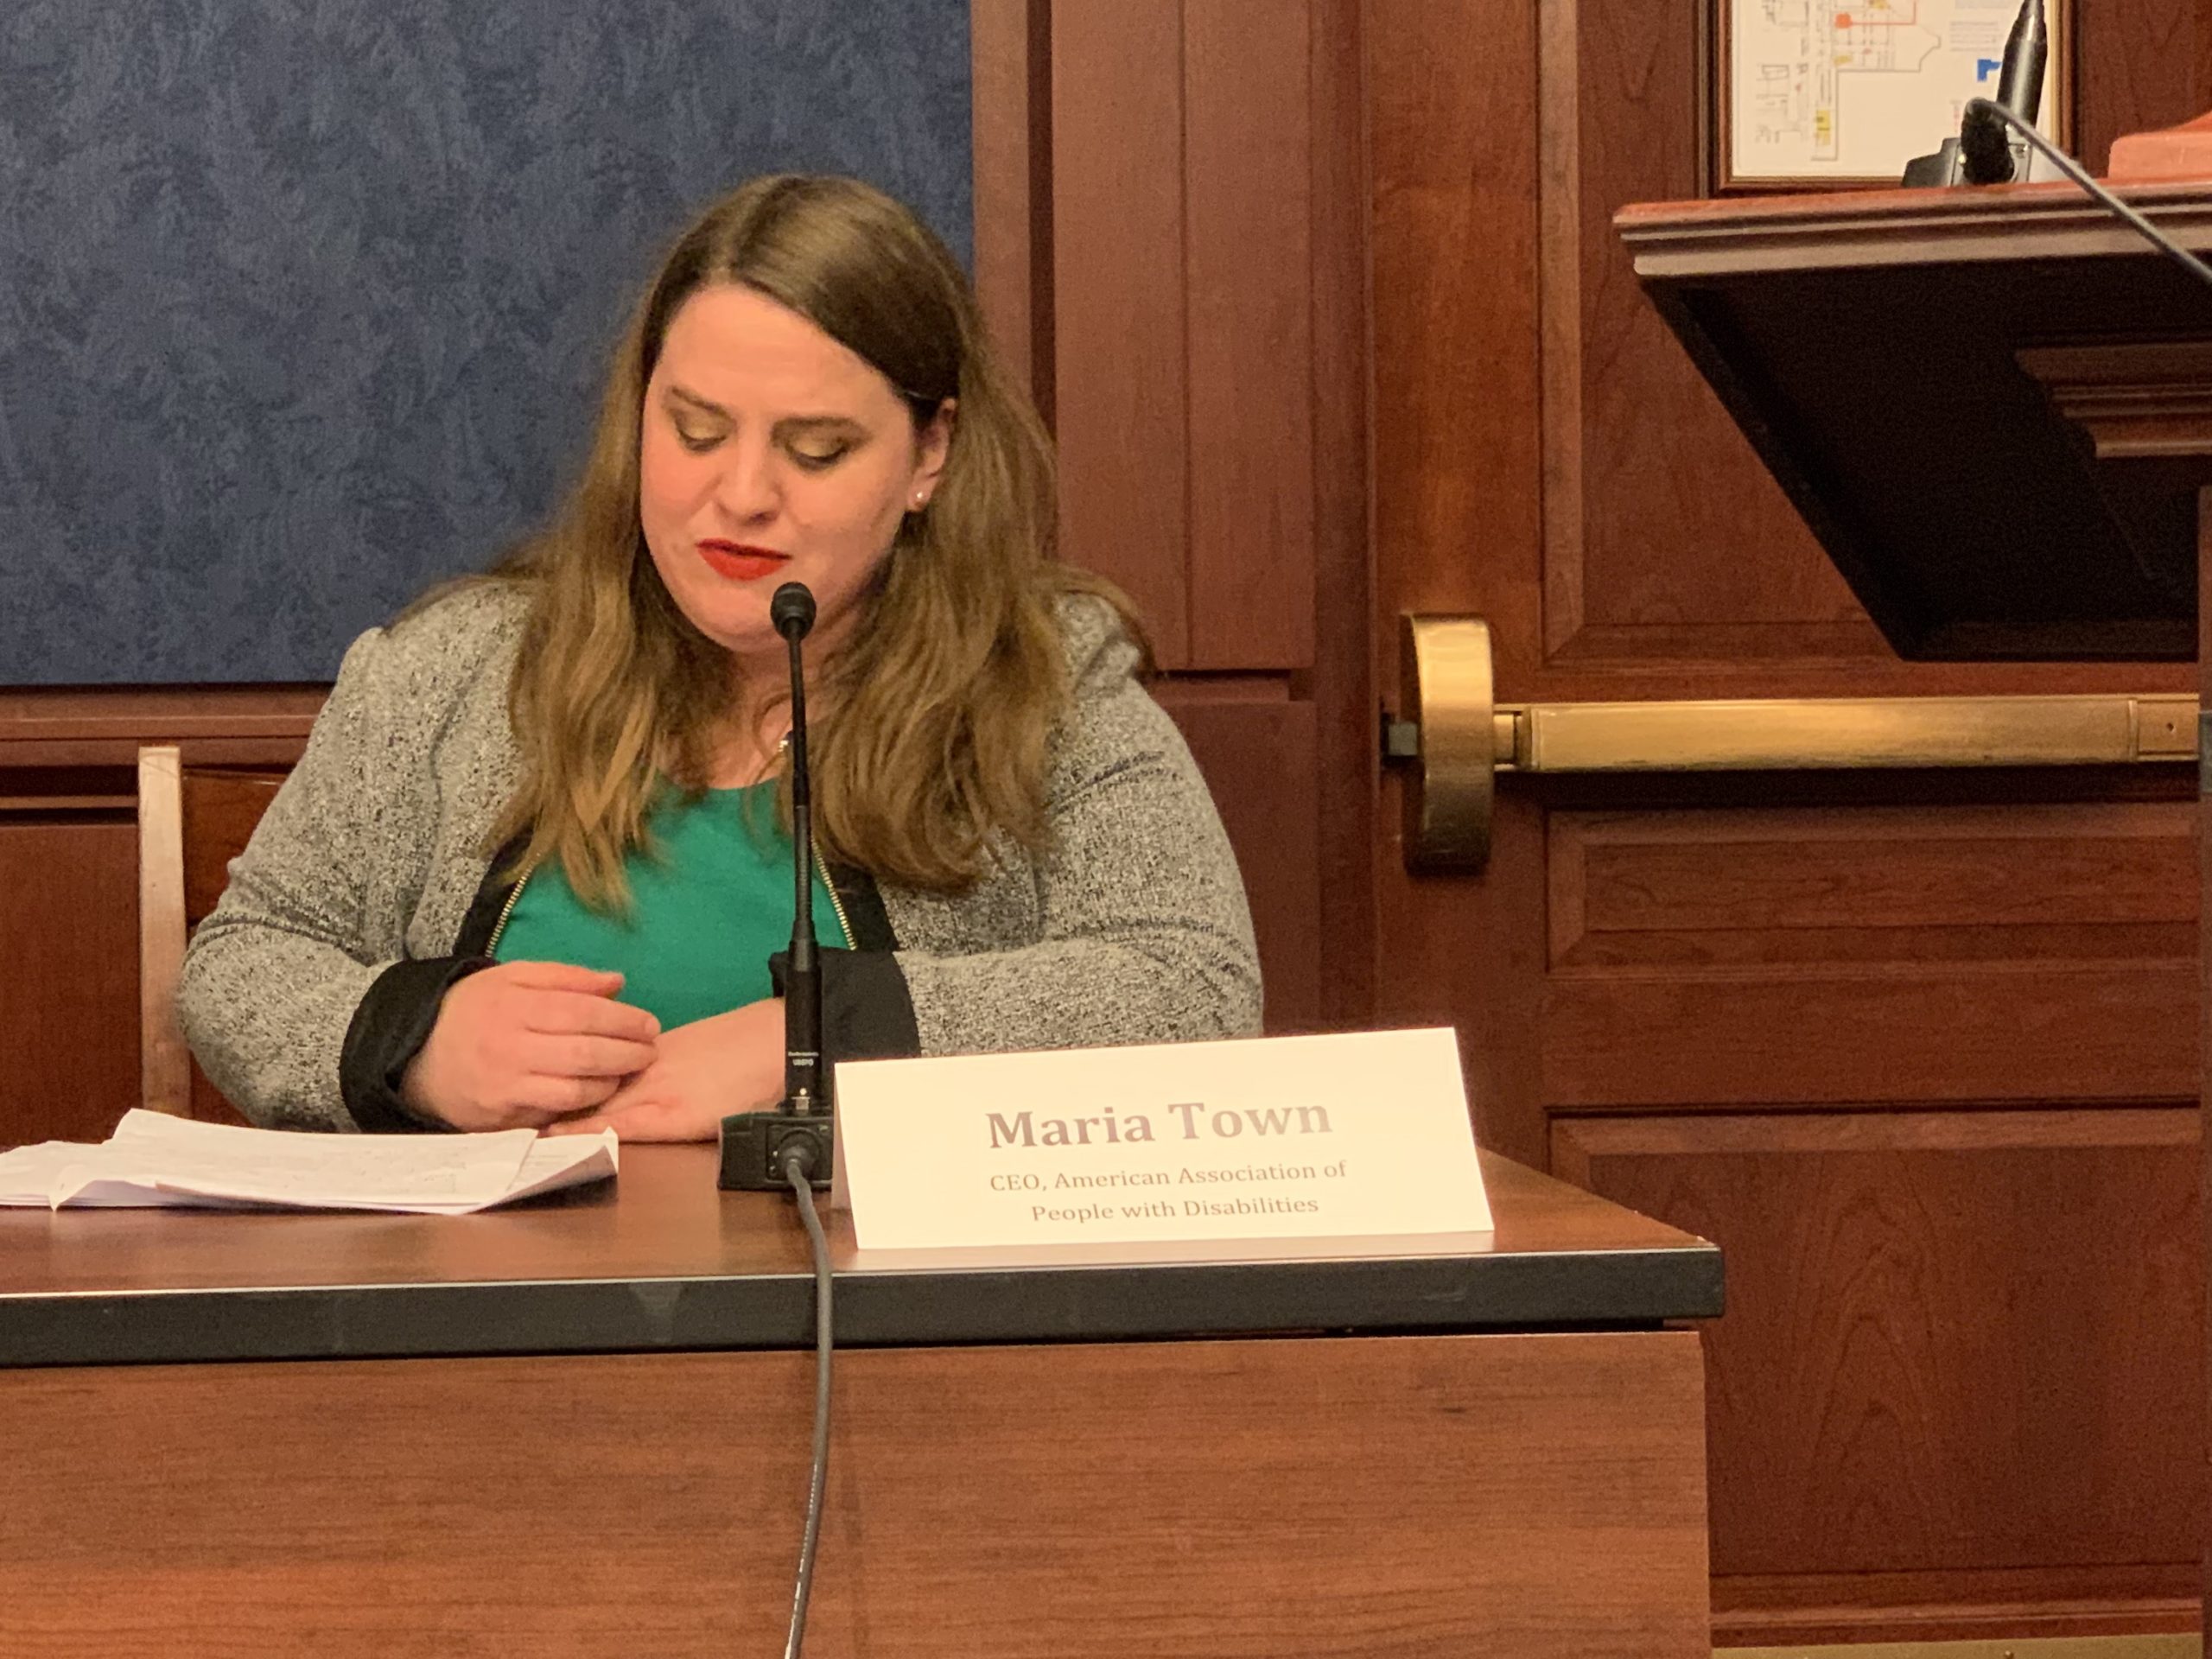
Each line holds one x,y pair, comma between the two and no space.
836,902
492,945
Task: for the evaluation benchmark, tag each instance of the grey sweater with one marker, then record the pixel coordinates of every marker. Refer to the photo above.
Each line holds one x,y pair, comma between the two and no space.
375,855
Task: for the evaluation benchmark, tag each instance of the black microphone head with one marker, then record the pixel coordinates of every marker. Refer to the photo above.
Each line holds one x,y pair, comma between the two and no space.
792,610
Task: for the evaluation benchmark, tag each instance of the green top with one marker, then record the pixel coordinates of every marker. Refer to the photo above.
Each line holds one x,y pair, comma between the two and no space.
711,901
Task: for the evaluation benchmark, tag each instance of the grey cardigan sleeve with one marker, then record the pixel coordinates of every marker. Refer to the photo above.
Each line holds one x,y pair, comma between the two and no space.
1144,936
275,974
374,841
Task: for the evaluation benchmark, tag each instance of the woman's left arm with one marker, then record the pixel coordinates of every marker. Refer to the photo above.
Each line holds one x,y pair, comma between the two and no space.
1145,935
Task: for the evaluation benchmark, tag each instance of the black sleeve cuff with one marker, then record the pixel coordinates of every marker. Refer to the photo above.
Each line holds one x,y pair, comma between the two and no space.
866,1010
388,1031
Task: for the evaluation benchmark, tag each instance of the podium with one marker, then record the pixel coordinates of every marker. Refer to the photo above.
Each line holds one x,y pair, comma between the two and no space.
1994,407
579,1425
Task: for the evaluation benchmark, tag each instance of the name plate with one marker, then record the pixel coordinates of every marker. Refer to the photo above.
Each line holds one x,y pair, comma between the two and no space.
1349,1135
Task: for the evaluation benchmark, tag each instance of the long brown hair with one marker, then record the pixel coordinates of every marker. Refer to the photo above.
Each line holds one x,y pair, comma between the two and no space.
938,710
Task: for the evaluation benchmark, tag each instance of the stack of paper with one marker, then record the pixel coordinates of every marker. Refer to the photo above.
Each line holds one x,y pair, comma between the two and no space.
153,1159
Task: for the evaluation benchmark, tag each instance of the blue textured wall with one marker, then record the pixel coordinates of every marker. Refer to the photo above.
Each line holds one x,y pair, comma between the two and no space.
304,303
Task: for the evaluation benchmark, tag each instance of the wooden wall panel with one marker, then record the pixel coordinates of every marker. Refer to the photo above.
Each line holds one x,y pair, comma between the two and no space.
2111,882
1956,1344
1122,392
1342,682
1904,954
1455,483
1258,750
1185,295
1854,1036
69,988
1652,496
1248,138
2149,64
1011,91
1452,248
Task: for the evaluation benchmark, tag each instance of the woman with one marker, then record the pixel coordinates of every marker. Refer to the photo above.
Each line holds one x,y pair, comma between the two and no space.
528,872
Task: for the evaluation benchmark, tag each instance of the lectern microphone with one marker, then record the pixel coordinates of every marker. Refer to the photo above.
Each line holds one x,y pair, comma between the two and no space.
758,1148
1984,152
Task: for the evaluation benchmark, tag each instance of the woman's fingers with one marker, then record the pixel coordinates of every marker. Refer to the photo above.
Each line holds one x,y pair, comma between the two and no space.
559,976
561,1097
588,1057
566,1011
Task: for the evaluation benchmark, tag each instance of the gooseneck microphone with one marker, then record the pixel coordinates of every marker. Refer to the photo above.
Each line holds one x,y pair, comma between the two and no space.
758,1146
1985,152
1985,147
791,1146
806,1079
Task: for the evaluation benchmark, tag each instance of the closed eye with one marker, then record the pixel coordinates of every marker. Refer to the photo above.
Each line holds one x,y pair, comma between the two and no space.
817,458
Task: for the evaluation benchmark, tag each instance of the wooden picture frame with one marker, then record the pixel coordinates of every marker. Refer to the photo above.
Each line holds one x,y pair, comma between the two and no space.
1911,120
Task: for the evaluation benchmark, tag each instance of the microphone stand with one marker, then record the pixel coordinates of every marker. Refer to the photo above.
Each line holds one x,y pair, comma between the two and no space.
791,1146
757,1146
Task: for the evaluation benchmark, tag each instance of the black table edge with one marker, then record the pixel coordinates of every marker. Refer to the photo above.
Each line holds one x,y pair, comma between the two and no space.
1631,1289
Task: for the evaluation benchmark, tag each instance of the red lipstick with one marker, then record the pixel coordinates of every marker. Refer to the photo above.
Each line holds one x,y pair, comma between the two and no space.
738,562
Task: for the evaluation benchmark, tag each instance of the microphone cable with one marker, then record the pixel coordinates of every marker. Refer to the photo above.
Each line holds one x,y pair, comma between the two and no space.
2073,170
795,1172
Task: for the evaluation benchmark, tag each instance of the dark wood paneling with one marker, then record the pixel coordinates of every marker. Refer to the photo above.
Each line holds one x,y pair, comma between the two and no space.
1010,47
1456,480
1991,1604
1651,495
1258,750
1864,954
1121,386
1955,1342
1453,248
1342,682
69,988
1536,1495
2146,64
1903,886
1854,1036
1248,259
46,728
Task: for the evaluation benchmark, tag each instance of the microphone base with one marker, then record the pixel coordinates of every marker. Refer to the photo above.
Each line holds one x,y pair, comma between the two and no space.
1947,167
754,1145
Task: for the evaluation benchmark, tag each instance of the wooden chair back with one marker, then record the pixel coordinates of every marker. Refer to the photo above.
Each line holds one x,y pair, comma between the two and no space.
193,820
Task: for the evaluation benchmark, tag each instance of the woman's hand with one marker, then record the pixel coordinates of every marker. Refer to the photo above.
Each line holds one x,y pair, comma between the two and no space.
707,1070
521,1044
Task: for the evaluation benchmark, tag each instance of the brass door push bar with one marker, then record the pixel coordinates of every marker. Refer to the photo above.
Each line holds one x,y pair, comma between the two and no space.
1457,740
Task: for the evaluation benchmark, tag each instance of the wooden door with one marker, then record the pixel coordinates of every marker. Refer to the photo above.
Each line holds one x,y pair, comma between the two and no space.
1917,1050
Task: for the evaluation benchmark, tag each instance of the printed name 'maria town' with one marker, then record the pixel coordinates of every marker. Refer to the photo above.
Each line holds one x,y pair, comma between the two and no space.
1195,1118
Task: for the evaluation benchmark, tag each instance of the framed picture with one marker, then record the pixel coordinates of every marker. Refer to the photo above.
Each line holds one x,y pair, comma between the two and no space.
1812,94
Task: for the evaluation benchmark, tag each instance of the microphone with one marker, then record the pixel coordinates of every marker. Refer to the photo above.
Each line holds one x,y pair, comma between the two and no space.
791,1146
760,1148
1985,145
1985,152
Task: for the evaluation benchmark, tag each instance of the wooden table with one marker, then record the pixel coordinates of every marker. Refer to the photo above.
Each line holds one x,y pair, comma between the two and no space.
581,1426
